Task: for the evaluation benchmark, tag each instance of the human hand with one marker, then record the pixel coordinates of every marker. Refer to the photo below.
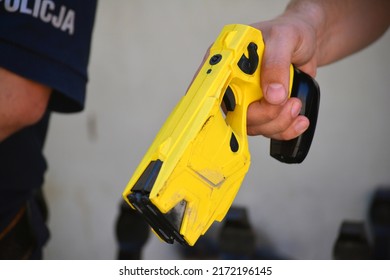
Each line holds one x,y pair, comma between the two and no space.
288,40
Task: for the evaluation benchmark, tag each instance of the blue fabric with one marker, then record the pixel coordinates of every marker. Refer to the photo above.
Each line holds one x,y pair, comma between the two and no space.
22,168
47,41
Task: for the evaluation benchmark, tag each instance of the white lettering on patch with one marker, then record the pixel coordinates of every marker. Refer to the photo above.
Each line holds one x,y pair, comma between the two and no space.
62,18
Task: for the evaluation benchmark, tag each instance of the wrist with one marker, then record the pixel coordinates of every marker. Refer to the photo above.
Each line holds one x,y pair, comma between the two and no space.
312,12
313,15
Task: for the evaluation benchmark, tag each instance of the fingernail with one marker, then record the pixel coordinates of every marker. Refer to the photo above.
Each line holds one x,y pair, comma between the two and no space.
295,109
275,93
301,126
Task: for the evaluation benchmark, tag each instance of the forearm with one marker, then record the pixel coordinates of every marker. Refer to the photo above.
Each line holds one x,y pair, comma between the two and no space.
308,34
22,102
342,26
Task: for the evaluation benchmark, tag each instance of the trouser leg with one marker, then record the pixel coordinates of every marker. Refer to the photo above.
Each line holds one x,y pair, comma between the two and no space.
26,234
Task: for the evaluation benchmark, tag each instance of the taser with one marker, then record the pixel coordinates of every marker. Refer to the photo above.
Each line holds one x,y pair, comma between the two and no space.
195,166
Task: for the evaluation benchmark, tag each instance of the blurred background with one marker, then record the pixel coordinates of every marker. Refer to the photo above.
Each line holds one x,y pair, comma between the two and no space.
144,55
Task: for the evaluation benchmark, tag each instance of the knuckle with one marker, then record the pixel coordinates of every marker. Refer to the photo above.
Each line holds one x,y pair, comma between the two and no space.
289,134
272,115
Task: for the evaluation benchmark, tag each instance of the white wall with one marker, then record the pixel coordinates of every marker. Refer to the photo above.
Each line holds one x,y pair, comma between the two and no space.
143,57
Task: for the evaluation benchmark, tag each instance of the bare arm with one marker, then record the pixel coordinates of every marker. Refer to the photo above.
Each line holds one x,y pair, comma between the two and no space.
22,102
342,27
308,34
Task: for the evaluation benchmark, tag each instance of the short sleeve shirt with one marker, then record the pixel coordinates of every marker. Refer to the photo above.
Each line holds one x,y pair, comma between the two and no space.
47,41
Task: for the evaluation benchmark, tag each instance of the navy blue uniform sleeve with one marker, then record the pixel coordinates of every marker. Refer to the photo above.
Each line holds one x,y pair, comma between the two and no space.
48,41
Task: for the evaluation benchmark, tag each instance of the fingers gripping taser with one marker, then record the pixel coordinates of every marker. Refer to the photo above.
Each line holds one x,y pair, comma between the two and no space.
192,172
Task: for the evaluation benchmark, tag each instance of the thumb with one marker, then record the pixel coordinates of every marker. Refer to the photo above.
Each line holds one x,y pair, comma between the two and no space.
275,93
279,45
275,73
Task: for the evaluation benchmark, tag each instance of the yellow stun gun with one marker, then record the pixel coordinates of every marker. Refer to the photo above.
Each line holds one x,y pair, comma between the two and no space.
192,172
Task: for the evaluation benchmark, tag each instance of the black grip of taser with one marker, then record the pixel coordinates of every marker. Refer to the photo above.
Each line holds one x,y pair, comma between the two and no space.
307,90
